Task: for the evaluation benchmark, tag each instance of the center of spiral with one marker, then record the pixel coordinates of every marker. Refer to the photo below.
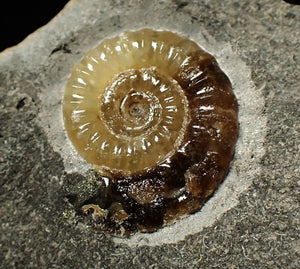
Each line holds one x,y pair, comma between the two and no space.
143,116
137,111
127,108
136,108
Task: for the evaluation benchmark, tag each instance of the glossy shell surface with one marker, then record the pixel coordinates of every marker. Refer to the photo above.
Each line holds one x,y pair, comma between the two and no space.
157,118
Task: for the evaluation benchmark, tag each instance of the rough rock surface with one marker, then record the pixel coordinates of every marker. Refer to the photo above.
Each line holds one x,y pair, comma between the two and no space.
36,229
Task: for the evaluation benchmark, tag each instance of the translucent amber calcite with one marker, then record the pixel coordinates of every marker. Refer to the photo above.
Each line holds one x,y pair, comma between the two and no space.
157,118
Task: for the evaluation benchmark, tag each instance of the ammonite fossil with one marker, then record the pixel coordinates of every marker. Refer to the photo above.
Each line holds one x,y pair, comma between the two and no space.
157,118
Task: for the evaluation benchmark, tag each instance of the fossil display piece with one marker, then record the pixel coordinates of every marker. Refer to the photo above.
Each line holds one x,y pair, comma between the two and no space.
157,118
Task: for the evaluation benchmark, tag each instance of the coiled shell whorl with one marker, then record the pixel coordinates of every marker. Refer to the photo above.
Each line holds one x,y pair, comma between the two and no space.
156,115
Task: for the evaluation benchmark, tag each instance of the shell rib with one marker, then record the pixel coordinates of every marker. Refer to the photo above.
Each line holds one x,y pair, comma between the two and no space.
155,115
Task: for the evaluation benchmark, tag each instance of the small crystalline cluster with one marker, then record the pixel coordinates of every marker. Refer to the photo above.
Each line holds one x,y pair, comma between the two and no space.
157,118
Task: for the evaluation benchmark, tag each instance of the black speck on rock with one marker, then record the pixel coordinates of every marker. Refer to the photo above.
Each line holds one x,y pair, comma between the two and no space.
21,103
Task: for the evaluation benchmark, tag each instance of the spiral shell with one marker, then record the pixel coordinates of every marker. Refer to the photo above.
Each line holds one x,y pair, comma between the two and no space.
156,116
